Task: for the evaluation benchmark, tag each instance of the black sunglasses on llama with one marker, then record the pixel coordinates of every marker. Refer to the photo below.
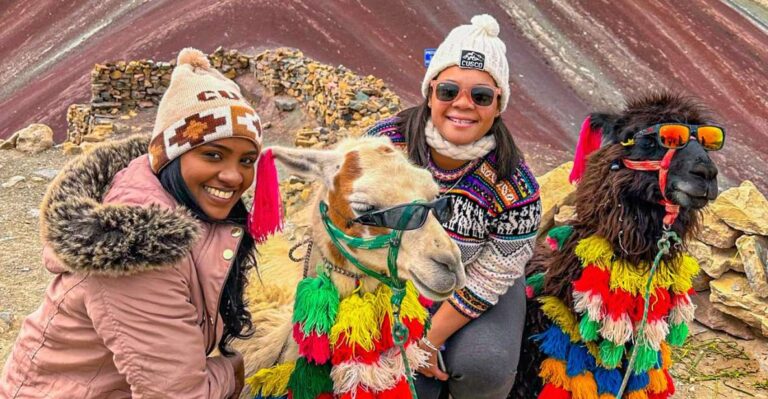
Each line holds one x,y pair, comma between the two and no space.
408,216
481,95
675,136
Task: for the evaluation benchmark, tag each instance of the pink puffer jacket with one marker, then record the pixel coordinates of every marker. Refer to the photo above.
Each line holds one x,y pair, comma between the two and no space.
133,308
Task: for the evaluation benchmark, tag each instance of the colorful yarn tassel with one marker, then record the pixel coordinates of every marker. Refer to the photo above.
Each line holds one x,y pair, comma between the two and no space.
271,382
553,392
608,381
309,381
589,142
583,386
553,342
553,372
677,334
316,305
266,217
579,360
611,354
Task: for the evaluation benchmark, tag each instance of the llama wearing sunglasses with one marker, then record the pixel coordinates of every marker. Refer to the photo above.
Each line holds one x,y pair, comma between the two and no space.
609,295
291,350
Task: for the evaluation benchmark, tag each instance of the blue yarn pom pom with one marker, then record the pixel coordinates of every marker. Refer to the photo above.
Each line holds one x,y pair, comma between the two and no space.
579,360
553,342
608,381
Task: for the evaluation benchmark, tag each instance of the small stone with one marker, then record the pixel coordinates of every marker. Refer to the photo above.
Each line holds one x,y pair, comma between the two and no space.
33,213
555,189
744,208
754,256
48,173
286,104
708,315
13,181
37,179
731,295
566,215
714,231
701,281
34,139
70,148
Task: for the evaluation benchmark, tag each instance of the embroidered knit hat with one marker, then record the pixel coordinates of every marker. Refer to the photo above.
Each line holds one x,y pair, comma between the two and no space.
200,105
475,46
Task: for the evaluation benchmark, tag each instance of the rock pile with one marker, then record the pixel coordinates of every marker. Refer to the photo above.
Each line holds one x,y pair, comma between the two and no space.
731,247
335,96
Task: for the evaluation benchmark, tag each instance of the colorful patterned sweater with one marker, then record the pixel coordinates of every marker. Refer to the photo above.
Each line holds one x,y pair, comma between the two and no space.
494,223
588,348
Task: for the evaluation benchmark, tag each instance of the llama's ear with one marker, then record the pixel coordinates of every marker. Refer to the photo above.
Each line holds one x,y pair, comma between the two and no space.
605,123
311,164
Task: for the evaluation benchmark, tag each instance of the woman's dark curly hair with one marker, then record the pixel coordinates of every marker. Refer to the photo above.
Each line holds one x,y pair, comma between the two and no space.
233,309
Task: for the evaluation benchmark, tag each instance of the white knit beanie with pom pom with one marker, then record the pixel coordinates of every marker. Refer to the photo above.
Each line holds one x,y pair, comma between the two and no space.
475,46
201,105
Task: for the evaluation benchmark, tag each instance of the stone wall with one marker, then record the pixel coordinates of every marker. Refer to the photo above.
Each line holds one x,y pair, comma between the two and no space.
335,96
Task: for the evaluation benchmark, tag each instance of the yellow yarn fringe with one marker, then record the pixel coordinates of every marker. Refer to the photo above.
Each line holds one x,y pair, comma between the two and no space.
553,372
658,382
689,268
272,381
594,250
411,308
666,356
359,318
641,394
583,386
597,251
558,312
606,396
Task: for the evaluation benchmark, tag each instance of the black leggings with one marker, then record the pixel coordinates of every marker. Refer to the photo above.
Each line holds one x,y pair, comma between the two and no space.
482,357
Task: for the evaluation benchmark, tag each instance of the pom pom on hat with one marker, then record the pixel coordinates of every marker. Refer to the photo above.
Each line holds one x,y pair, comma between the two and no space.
193,57
487,24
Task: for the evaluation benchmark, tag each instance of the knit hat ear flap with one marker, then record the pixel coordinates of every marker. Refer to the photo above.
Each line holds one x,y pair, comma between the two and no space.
589,141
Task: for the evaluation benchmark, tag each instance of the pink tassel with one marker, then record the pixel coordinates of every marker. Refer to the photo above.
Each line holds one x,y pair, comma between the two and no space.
266,216
589,142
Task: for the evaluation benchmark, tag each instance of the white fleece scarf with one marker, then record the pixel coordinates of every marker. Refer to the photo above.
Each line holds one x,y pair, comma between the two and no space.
465,152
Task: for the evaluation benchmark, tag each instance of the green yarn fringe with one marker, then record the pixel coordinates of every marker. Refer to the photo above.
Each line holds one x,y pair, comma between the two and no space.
677,334
316,305
611,354
560,234
646,359
308,380
588,329
536,282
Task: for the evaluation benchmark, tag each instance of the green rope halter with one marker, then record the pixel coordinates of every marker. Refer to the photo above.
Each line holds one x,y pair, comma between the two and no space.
391,241
664,245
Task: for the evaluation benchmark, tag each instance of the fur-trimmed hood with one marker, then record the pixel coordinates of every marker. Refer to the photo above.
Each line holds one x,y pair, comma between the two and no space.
89,230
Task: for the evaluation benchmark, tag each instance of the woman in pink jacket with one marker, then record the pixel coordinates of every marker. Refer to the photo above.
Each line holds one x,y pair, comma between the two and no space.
150,254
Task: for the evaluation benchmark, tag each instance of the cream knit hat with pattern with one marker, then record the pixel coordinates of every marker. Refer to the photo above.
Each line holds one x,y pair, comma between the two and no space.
201,105
475,46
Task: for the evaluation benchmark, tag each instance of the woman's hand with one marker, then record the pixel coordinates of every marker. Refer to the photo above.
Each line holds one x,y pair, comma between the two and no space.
432,369
239,365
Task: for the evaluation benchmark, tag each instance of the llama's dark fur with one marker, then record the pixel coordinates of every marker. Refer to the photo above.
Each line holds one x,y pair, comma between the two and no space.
619,205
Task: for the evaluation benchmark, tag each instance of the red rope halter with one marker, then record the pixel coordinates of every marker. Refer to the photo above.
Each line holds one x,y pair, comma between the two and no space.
672,210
